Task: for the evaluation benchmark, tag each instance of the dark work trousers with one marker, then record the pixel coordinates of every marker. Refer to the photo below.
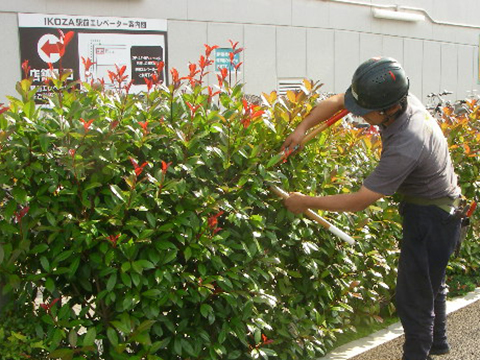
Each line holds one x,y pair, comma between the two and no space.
429,238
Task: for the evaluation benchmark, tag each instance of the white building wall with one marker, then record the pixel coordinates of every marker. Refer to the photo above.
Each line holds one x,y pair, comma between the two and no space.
318,39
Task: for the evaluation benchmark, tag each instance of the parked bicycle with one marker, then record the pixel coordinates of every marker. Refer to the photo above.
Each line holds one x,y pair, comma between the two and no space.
443,109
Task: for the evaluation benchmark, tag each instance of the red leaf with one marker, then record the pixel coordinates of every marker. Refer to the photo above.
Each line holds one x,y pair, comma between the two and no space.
3,108
204,62
113,239
144,125
134,163
257,114
19,216
121,70
26,68
128,86
209,49
111,75
193,109
213,220
68,37
234,45
139,169
245,122
238,65
245,106
211,94
149,83
86,124
165,166
224,72
193,69
160,66
174,73
87,63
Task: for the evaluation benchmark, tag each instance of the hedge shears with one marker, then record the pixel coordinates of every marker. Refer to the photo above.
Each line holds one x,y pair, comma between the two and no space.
310,213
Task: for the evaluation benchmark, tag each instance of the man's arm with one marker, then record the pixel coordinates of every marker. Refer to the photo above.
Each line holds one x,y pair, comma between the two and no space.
353,202
323,111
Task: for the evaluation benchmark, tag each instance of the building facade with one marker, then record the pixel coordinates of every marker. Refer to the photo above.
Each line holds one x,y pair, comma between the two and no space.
285,41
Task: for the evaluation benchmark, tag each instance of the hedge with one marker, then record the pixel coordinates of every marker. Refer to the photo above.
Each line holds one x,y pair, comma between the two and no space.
146,223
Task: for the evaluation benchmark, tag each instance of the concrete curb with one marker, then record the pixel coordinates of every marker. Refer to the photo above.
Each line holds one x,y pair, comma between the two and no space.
392,332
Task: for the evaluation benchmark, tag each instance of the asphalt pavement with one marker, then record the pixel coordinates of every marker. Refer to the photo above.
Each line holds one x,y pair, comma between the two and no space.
463,330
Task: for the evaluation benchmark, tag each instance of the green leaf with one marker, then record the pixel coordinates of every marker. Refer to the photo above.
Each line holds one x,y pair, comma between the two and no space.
152,293
89,339
51,219
126,280
187,253
274,160
64,354
50,285
74,266
160,345
3,123
151,219
140,265
112,336
234,354
10,209
29,109
44,142
205,310
64,255
146,325
170,256
188,347
177,346
72,338
45,263
2,253
120,326
117,192
93,185
126,266
20,195
8,228
112,281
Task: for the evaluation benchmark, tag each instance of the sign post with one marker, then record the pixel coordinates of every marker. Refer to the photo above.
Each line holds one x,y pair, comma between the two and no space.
137,44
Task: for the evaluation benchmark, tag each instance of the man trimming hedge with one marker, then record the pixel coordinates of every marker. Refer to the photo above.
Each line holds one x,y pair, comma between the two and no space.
415,162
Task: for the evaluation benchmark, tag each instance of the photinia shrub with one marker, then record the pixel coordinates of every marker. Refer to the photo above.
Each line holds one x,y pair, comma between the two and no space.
463,135
143,227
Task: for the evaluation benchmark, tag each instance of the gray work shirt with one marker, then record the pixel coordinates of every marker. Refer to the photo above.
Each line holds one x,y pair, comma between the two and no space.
415,160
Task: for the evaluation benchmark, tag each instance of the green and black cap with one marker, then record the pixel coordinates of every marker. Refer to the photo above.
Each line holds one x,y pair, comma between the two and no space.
377,84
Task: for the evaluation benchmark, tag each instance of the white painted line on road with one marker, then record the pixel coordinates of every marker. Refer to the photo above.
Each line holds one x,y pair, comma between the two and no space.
392,332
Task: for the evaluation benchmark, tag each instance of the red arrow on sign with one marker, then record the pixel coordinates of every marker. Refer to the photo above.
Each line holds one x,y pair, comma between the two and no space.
49,48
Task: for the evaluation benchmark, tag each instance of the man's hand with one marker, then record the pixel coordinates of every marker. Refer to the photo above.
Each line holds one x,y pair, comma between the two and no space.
296,203
293,142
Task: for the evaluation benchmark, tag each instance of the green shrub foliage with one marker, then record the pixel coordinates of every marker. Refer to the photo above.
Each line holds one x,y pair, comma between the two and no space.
146,224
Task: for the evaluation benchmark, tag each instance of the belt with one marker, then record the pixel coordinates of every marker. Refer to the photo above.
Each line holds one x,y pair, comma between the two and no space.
446,203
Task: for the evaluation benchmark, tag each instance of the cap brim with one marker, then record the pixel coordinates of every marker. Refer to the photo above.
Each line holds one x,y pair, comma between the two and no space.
352,106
